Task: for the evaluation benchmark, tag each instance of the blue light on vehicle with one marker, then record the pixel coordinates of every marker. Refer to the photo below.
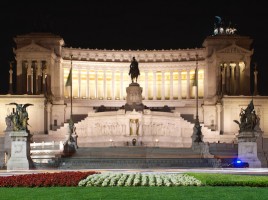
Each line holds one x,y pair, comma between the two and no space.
238,161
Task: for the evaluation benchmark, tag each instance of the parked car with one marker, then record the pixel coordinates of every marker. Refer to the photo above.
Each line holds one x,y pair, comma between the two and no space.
237,163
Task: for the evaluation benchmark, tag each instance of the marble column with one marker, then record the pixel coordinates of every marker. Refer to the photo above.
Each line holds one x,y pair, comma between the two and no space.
228,78
171,86
121,85
10,90
88,86
188,85
113,85
44,69
146,85
179,84
96,84
223,89
256,81
154,85
79,83
20,78
38,77
237,77
29,72
163,86
233,79
104,85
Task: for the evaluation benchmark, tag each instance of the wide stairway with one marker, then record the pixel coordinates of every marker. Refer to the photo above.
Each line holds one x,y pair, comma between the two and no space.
135,157
124,156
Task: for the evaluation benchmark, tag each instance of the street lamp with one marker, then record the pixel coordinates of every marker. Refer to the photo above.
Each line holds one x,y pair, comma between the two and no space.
197,134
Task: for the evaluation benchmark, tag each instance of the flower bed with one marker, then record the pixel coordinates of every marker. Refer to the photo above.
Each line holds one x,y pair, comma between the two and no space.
138,179
44,179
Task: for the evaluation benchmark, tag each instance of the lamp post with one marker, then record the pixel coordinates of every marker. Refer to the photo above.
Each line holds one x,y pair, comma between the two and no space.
197,133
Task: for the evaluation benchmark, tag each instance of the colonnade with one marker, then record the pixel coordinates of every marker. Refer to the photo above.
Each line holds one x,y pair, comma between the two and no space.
33,74
111,84
231,78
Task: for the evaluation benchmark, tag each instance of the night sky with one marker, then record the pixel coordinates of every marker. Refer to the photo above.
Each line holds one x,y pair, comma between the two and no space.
133,25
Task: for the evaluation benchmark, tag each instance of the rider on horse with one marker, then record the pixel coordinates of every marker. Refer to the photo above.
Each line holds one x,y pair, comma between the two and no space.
134,71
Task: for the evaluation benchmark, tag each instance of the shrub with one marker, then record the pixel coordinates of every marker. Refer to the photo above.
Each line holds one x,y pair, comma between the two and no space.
44,179
139,179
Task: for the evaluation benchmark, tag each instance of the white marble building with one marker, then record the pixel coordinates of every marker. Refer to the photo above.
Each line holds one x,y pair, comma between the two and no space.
100,77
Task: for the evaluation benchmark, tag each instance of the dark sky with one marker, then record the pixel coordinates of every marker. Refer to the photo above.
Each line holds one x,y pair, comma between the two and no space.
133,25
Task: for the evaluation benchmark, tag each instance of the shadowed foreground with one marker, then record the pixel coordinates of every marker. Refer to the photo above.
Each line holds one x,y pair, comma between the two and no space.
134,193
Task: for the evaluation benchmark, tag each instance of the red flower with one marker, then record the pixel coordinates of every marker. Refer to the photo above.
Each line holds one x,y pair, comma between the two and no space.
45,179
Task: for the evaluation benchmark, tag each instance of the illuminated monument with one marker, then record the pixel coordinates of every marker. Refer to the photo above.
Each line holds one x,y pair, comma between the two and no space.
99,82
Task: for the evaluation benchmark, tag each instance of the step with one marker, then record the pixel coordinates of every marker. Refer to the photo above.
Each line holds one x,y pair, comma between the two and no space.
117,163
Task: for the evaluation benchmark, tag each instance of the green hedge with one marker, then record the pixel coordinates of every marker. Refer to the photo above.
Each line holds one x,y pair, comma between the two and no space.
216,179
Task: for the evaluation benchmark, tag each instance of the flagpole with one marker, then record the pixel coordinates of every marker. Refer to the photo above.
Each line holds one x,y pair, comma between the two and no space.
196,79
197,134
71,117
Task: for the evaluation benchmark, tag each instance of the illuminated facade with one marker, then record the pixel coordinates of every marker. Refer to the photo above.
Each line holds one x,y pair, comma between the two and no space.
100,78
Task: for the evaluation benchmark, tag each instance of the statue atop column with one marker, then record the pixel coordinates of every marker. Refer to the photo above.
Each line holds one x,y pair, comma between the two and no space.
134,71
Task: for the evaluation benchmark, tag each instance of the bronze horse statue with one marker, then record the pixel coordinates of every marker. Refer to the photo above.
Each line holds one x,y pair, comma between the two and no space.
134,71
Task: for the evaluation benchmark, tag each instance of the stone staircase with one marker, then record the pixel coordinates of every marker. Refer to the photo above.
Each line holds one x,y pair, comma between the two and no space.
46,154
120,155
135,157
134,163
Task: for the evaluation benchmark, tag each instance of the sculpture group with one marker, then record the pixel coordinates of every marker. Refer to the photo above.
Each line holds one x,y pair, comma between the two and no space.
18,120
248,118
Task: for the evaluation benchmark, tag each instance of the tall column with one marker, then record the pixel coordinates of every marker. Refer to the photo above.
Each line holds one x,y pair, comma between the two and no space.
20,78
246,74
228,78
219,79
256,81
10,91
146,85
113,85
38,77
88,86
233,79
96,84
121,85
163,86
44,69
154,85
188,85
223,78
171,85
104,86
237,82
32,77
179,84
79,83
28,65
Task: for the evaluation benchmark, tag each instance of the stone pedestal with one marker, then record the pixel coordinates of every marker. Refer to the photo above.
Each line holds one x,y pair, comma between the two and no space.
20,151
134,98
247,148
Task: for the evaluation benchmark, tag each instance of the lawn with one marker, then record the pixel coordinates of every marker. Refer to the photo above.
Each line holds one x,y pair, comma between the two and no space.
212,188
129,193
